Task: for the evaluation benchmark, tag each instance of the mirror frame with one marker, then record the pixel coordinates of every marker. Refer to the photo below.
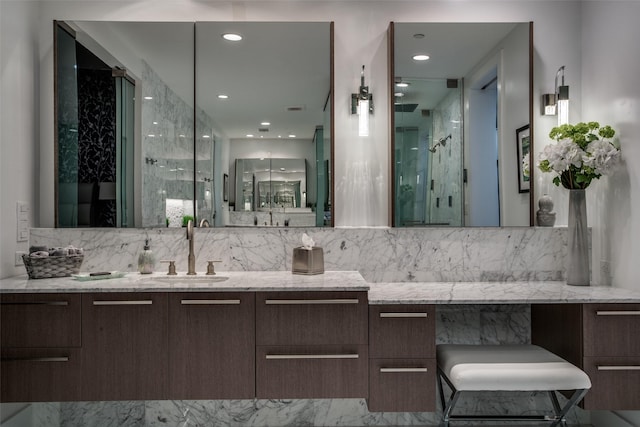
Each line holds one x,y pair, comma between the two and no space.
392,122
331,171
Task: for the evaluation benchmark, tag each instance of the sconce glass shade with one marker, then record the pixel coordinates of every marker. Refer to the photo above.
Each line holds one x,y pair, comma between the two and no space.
563,105
363,117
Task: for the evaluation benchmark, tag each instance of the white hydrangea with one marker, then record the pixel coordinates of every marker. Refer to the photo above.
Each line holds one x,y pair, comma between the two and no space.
562,155
602,156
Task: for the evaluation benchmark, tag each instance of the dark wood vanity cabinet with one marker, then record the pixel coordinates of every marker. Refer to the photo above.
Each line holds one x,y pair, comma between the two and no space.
311,345
212,345
41,339
124,346
602,339
402,366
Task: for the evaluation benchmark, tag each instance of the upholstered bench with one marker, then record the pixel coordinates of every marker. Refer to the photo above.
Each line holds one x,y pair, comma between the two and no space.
489,368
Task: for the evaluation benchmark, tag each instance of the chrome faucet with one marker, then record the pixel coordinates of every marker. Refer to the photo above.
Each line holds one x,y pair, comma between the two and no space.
191,259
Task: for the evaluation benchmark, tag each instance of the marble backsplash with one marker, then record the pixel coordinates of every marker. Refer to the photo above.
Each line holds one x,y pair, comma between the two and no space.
379,254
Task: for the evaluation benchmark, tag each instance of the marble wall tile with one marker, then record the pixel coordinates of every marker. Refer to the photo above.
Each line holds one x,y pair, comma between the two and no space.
381,255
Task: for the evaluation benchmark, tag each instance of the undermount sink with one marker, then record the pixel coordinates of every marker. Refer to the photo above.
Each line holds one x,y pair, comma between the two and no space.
187,279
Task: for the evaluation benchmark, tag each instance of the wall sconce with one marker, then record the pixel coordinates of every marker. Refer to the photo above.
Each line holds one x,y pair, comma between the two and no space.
557,102
362,105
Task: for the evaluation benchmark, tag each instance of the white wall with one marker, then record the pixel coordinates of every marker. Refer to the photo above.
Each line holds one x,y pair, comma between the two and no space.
610,66
19,133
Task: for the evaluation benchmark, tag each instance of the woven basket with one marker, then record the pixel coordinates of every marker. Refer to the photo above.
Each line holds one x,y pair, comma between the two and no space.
52,266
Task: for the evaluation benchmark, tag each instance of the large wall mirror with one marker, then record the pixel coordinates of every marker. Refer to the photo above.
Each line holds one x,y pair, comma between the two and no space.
152,117
461,104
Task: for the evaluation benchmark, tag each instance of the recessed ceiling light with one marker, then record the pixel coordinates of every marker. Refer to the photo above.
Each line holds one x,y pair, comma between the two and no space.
206,136
155,123
148,97
402,84
151,135
420,57
232,37
399,94
265,123
223,96
282,169
249,135
292,136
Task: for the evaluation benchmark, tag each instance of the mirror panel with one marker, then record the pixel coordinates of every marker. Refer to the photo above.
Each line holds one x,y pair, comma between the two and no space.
455,118
161,170
133,111
276,83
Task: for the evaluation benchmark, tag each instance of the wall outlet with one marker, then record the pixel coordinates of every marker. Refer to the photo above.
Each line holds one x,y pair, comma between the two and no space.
19,258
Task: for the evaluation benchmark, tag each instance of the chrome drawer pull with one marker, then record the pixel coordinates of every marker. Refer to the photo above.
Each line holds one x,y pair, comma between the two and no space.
403,315
37,359
37,303
210,302
400,370
310,356
618,313
139,302
619,368
310,301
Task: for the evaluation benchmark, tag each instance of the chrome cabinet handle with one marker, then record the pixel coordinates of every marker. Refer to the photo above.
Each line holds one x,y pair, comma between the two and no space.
310,301
210,302
138,302
618,313
37,303
619,368
37,359
311,356
402,370
403,315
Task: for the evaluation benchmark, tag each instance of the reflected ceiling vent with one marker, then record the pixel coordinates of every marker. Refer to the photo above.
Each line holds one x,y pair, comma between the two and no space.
425,113
263,130
296,108
405,108
452,83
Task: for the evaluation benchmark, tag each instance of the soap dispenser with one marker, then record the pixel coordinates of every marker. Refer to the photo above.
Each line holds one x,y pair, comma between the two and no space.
146,259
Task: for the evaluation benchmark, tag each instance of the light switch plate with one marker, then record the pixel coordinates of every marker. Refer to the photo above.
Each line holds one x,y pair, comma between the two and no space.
22,217
19,258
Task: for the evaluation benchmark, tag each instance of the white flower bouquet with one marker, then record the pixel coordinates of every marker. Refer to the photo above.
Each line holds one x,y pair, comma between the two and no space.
582,152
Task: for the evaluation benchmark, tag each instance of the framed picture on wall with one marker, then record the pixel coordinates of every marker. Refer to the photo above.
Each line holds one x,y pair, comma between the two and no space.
524,146
225,187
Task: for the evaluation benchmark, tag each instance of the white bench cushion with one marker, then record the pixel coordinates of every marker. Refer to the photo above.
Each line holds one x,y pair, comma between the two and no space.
508,368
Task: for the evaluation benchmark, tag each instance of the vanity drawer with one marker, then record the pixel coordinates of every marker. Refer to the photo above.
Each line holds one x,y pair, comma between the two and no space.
615,383
611,330
40,320
402,385
40,375
328,371
405,331
311,318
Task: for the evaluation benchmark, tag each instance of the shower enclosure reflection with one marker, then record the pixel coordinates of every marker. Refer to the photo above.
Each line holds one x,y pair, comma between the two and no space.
455,117
428,153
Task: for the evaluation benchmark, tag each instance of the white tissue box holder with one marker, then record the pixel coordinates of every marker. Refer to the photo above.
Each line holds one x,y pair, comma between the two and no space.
307,261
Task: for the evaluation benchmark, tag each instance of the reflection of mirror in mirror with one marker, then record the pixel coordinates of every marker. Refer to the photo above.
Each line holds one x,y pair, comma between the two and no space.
455,116
153,168
272,192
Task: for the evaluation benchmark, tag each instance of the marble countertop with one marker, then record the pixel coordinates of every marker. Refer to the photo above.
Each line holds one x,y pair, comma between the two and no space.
243,281
379,293
496,293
